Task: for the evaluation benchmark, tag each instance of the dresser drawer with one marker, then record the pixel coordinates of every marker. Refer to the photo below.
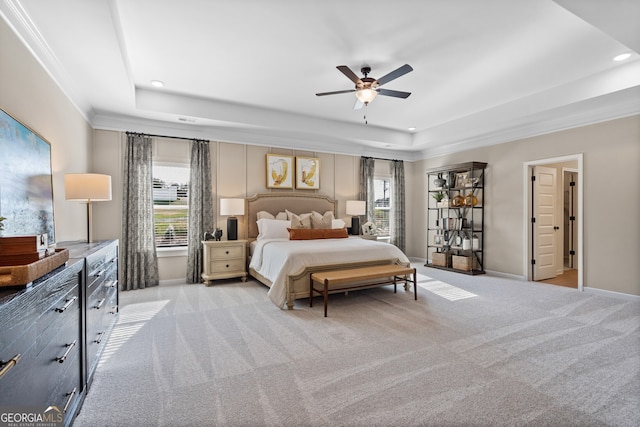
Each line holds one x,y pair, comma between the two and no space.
227,266
226,252
40,361
100,263
66,395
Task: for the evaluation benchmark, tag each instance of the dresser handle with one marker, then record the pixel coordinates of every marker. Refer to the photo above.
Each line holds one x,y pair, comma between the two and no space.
67,305
114,310
99,339
100,273
6,366
227,252
97,306
111,284
62,358
70,399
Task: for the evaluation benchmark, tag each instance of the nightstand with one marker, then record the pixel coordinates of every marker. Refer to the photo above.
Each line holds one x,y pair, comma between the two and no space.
224,259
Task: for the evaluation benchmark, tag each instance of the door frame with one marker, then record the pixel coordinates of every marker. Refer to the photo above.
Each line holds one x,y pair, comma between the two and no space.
526,217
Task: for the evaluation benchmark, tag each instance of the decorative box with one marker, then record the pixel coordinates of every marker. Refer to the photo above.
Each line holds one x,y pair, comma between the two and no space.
464,263
441,259
23,244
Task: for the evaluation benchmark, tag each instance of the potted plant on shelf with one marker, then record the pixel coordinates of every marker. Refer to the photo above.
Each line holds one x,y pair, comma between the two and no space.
440,196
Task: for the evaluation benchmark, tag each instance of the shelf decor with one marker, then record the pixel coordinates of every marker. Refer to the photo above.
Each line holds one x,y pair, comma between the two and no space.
455,218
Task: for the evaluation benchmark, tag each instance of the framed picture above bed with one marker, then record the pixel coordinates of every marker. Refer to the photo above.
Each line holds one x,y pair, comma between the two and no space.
307,173
279,171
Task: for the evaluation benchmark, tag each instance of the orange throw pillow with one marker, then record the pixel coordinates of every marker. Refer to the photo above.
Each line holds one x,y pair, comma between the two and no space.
317,233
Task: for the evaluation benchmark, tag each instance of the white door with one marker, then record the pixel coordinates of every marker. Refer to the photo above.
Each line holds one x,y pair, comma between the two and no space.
544,227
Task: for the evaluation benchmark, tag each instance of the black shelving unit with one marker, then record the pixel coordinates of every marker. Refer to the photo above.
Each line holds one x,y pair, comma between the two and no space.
455,225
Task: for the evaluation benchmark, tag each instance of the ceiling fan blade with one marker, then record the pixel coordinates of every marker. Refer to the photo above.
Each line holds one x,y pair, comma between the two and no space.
358,105
394,93
335,92
350,74
395,74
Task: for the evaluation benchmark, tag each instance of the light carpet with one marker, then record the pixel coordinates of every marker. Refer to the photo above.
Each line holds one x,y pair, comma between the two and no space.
471,351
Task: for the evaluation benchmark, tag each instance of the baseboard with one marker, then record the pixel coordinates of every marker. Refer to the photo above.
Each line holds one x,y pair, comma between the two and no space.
505,275
612,294
171,282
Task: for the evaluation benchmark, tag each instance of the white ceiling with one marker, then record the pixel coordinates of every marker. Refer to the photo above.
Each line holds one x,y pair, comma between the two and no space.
485,72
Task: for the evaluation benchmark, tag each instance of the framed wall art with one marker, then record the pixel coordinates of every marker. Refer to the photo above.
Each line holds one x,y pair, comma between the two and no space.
26,182
279,171
462,179
307,173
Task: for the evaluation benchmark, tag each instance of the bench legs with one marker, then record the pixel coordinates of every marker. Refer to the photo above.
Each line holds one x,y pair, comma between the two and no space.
325,289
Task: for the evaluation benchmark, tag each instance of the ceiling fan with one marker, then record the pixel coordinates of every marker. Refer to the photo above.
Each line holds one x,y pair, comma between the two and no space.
367,87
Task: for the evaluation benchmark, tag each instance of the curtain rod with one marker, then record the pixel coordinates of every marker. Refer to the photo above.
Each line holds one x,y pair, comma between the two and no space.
380,158
166,136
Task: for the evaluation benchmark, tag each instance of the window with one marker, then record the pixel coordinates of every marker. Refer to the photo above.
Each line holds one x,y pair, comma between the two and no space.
382,209
171,205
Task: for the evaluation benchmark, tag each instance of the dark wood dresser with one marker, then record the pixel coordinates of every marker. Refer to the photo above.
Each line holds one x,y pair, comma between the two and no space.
53,332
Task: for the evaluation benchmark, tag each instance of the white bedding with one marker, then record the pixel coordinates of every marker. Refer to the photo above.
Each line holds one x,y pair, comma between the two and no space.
276,259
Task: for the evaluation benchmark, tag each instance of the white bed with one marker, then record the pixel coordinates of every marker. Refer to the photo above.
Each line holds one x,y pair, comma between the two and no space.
285,265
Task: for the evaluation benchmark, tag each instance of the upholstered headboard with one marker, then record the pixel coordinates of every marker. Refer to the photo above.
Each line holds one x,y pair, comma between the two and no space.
273,203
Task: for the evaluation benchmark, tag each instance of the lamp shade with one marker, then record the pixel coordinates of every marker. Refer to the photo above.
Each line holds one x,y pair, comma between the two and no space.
356,207
366,95
231,207
91,187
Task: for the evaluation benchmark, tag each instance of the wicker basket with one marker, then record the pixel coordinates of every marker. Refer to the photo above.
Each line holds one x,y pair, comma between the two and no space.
464,263
441,259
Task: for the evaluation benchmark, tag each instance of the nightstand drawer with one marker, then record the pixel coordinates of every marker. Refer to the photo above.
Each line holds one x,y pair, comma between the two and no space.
227,252
227,266
224,260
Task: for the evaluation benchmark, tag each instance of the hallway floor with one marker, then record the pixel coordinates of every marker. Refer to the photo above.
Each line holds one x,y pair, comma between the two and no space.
569,279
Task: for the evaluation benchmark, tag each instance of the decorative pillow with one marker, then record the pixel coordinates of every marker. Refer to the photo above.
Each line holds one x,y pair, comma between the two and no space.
321,221
317,233
267,215
299,221
338,223
273,229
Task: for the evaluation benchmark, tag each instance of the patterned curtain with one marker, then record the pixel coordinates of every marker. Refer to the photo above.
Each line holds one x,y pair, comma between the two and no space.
367,169
397,220
138,260
200,207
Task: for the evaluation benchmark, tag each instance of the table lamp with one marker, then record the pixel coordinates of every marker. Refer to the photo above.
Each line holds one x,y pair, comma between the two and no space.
355,208
230,208
88,188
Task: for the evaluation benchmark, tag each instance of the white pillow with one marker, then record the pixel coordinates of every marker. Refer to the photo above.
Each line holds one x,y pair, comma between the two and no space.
338,223
273,229
267,215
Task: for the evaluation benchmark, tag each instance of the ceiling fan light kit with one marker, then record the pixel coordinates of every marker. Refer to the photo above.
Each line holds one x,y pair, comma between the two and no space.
367,88
366,95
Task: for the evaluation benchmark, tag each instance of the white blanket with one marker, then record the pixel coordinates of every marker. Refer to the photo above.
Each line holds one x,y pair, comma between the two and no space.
276,259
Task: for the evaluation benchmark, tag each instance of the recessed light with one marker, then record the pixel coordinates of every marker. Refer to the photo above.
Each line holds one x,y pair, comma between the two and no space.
157,83
412,128
622,57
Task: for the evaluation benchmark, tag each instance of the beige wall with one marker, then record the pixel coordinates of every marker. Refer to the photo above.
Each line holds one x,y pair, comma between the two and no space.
611,182
31,96
611,177
238,171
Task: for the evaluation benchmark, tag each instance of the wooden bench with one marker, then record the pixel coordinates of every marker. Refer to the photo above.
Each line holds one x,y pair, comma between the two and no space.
391,272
